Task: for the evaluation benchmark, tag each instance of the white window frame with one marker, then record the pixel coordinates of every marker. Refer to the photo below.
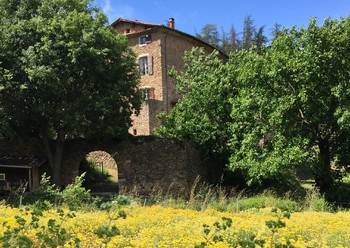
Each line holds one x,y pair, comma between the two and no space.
143,64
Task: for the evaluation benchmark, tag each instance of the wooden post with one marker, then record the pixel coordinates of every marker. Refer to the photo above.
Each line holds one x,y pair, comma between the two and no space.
30,180
35,175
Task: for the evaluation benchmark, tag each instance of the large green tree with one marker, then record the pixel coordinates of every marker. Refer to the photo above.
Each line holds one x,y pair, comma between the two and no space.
294,104
273,110
202,114
64,73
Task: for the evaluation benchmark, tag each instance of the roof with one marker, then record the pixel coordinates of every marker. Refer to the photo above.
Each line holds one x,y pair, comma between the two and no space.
21,161
152,25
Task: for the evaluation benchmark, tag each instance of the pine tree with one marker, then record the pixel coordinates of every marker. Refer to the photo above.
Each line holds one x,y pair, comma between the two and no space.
248,32
210,34
260,39
230,41
276,30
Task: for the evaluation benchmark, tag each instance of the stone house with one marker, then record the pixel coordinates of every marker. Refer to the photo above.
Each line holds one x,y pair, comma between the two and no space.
159,48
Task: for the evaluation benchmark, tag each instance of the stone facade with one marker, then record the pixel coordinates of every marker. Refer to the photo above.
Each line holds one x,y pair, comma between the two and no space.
146,164
164,48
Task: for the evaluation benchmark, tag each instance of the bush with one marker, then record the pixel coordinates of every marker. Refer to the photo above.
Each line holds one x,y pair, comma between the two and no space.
74,195
48,195
314,201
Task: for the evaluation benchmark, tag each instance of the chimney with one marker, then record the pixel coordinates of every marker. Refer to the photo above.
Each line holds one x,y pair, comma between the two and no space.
171,23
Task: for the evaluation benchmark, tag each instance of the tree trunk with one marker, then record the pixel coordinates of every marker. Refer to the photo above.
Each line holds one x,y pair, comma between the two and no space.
324,179
54,151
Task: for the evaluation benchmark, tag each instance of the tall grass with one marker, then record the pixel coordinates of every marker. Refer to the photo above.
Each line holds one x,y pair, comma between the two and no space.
203,196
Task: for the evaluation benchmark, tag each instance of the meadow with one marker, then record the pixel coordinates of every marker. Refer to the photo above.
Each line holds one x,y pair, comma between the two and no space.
208,217
161,226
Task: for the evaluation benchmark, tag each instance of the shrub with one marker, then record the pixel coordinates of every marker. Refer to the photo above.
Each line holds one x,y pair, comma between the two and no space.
74,195
48,195
314,201
45,196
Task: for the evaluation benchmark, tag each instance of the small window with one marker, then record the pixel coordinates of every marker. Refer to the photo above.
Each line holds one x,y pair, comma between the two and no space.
146,39
134,131
146,65
147,94
2,176
127,31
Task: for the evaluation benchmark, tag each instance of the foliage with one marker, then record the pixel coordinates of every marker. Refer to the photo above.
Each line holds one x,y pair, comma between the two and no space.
29,229
49,195
53,234
232,41
65,74
314,201
74,195
289,105
205,86
275,225
292,108
46,195
248,32
209,34
109,230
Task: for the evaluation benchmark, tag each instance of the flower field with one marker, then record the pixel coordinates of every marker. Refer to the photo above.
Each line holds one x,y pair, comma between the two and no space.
158,226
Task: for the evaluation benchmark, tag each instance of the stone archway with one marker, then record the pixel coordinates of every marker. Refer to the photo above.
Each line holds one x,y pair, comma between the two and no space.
101,172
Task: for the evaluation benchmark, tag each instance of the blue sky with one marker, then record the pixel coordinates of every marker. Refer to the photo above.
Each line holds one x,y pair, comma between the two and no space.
191,15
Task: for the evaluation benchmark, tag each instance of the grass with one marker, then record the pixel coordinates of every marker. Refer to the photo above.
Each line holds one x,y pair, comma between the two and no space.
203,196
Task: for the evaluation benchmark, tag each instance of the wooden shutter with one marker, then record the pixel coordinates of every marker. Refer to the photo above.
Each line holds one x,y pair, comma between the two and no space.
150,65
148,38
151,94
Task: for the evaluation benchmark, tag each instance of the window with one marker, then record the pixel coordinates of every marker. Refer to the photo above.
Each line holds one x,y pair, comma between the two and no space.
146,39
143,63
147,93
127,31
146,65
2,176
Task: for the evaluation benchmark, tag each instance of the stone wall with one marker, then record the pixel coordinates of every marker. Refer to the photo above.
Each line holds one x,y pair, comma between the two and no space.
146,164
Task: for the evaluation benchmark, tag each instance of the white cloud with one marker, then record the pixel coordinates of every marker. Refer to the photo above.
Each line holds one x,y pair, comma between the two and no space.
106,8
114,10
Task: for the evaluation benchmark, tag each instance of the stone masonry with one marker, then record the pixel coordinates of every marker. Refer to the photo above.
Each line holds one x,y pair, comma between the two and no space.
146,164
164,47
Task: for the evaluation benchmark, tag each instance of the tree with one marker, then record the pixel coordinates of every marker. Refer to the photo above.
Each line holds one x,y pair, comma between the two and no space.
202,114
64,74
276,30
248,32
274,111
260,39
210,34
230,42
294,105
